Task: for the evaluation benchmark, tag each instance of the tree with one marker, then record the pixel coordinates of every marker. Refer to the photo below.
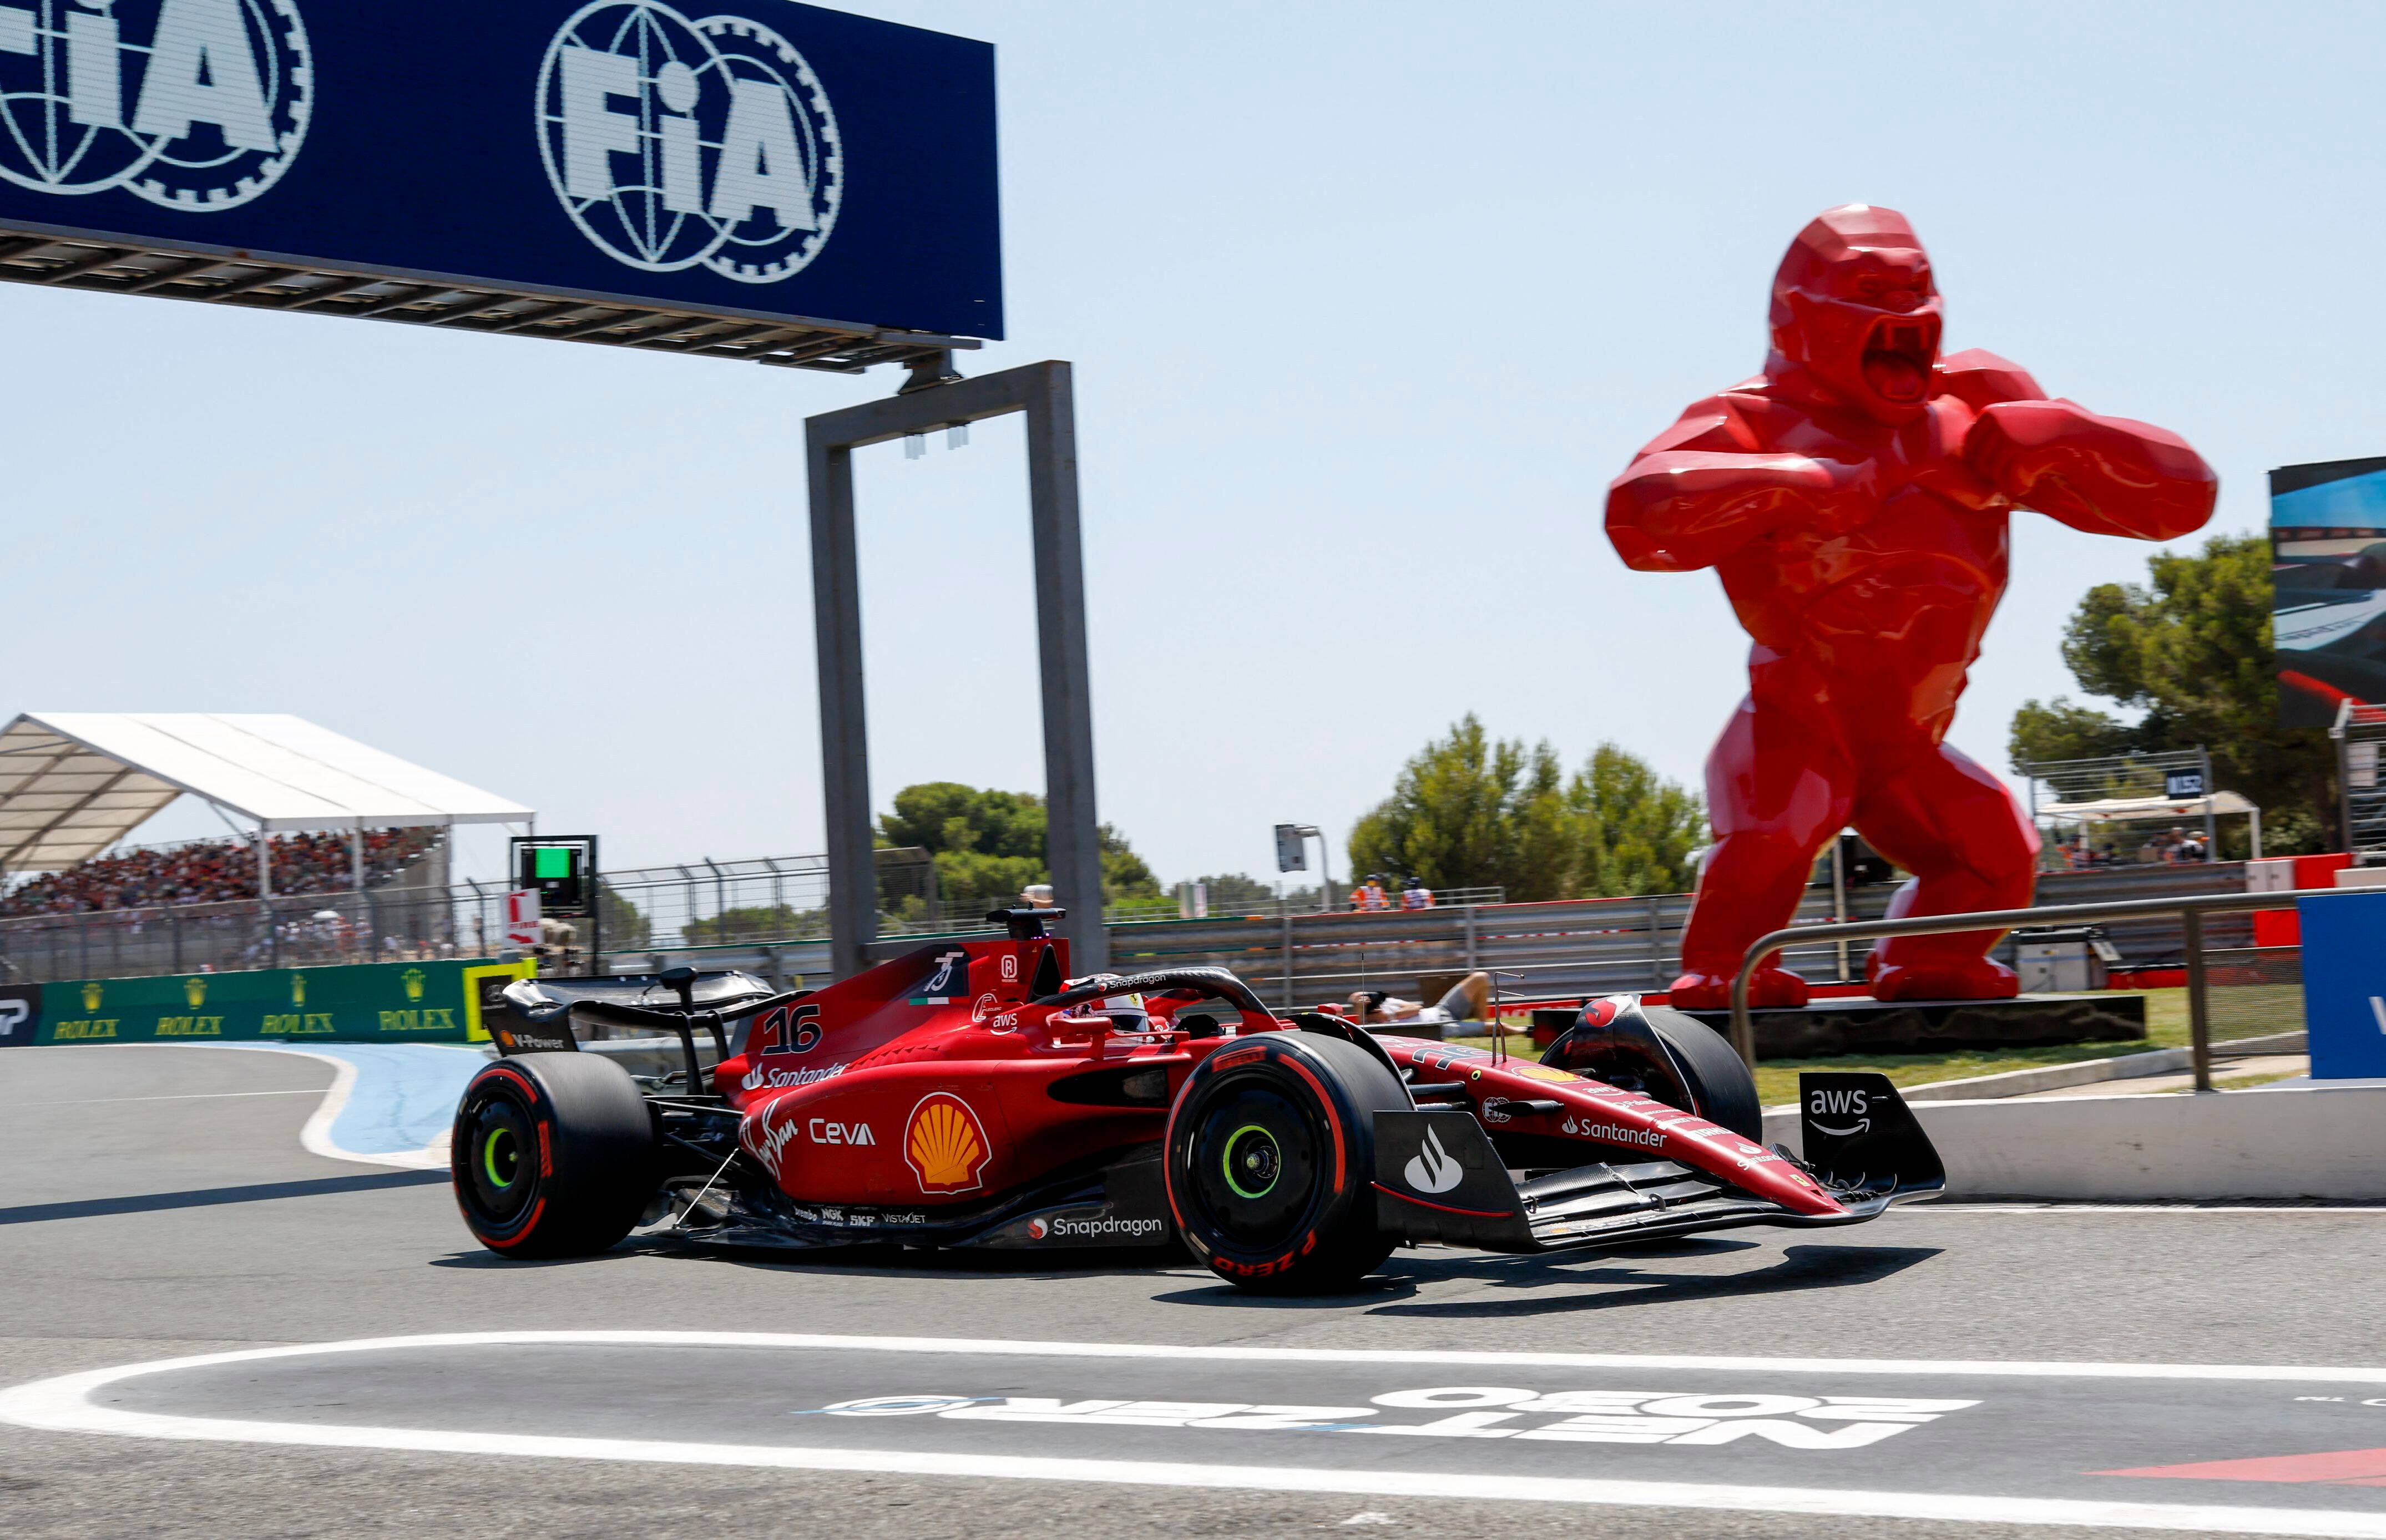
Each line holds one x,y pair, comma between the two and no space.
1472,811
2191,652
989,844
1238,893
625,924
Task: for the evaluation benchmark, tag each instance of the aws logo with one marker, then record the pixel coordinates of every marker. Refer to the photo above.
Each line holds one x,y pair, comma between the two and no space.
196,105
676,142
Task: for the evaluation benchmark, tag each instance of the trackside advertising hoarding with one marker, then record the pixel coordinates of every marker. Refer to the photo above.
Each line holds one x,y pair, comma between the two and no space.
2327,591
389,1002
754,158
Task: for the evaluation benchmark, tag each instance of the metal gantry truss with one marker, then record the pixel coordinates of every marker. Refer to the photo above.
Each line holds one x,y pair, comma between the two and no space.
254,282
2359,732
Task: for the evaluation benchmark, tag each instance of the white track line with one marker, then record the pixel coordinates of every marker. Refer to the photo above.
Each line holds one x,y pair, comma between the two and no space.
63,1405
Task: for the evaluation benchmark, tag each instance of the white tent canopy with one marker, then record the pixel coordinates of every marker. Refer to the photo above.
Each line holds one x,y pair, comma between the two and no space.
2125,808
73,783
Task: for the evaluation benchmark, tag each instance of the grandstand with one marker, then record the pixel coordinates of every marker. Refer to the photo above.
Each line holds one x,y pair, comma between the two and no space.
216,871
327,813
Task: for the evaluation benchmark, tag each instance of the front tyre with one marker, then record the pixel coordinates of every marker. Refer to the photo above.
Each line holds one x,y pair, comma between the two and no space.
1271,1162
553,1156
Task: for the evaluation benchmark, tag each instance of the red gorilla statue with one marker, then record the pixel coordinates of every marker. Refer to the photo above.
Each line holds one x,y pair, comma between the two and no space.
1854,498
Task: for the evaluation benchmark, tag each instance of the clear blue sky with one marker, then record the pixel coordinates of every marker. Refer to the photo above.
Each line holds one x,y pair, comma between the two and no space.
1368,302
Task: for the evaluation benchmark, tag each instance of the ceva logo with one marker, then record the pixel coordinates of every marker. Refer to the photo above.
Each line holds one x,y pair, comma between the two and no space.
677,142
196,105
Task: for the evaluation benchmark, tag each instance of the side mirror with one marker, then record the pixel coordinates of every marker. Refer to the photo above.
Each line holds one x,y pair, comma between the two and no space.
681,982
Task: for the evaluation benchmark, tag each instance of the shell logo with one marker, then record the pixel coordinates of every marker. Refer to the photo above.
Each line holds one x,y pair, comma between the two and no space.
945,1145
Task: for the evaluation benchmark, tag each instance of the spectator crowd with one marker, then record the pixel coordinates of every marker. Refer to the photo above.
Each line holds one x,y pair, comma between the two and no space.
213,871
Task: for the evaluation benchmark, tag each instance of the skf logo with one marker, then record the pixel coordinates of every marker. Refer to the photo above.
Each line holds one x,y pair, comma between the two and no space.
945,1145
195,991
196,105
92,994
412,979
675,143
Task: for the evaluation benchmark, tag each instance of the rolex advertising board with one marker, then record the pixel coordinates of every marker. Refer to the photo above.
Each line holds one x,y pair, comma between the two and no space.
749,158
383,1002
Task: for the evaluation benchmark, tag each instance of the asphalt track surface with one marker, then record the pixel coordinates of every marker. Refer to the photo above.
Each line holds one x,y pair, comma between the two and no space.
359,1369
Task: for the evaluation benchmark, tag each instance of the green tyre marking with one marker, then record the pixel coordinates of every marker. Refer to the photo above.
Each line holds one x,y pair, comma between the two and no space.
489,1157
1234,1142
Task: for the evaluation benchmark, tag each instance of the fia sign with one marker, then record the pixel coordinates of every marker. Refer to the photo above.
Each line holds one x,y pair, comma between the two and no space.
677,141
196,106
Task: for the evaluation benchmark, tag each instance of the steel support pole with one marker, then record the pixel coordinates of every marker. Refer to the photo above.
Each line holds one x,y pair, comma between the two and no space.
1072,839
2199,1024
845,749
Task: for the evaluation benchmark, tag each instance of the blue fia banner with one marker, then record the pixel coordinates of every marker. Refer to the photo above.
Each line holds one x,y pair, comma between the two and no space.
2344,984
753,158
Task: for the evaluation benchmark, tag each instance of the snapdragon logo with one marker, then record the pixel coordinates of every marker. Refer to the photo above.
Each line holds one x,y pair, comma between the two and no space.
197,105
675,143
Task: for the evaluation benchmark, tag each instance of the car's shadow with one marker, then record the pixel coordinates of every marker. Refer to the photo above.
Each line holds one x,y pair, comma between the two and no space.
1534,1285
1611,1281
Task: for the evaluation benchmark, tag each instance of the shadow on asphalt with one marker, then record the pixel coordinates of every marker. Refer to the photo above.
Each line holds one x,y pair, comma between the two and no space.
1801,1268
866,1261
208,1198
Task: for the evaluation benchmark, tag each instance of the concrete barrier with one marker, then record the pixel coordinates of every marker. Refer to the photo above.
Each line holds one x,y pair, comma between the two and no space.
2280,1143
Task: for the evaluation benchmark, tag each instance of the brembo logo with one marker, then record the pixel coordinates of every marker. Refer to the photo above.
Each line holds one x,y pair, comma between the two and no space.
1843,1105
196,106
676,143
1431,1170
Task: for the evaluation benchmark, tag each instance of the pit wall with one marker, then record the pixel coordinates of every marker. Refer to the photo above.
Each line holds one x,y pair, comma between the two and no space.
2282,1144
438,1001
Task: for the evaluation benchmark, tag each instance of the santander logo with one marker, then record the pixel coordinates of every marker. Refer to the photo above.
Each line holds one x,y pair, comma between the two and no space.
1431,1170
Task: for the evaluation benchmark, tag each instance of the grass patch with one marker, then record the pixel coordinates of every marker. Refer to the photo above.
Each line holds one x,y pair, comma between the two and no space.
2249,1010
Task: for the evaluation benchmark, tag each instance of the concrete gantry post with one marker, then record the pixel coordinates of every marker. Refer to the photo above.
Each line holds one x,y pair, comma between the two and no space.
1044,394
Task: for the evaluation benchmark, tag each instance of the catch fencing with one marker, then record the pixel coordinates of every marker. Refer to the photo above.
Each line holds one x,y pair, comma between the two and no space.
770,916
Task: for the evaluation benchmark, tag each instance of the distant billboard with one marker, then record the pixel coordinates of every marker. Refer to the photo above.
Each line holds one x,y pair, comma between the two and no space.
2328,544
755,158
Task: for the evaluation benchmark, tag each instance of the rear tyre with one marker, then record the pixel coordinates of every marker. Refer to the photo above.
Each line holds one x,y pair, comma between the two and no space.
1271,1162
553,1156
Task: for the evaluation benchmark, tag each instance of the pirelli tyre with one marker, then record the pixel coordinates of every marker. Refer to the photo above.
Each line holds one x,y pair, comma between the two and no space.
1662,1053
1271,1162
553,1155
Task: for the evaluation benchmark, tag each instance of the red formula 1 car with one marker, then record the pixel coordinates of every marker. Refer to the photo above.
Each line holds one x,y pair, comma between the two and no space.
972,1094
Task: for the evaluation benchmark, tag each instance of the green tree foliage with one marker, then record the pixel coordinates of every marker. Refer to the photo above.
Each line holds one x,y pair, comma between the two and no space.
989,844
625,925
756,922
2190,652
1473,811
1237,891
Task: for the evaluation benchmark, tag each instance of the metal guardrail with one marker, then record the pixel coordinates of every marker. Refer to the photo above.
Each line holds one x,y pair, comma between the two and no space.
2188,911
